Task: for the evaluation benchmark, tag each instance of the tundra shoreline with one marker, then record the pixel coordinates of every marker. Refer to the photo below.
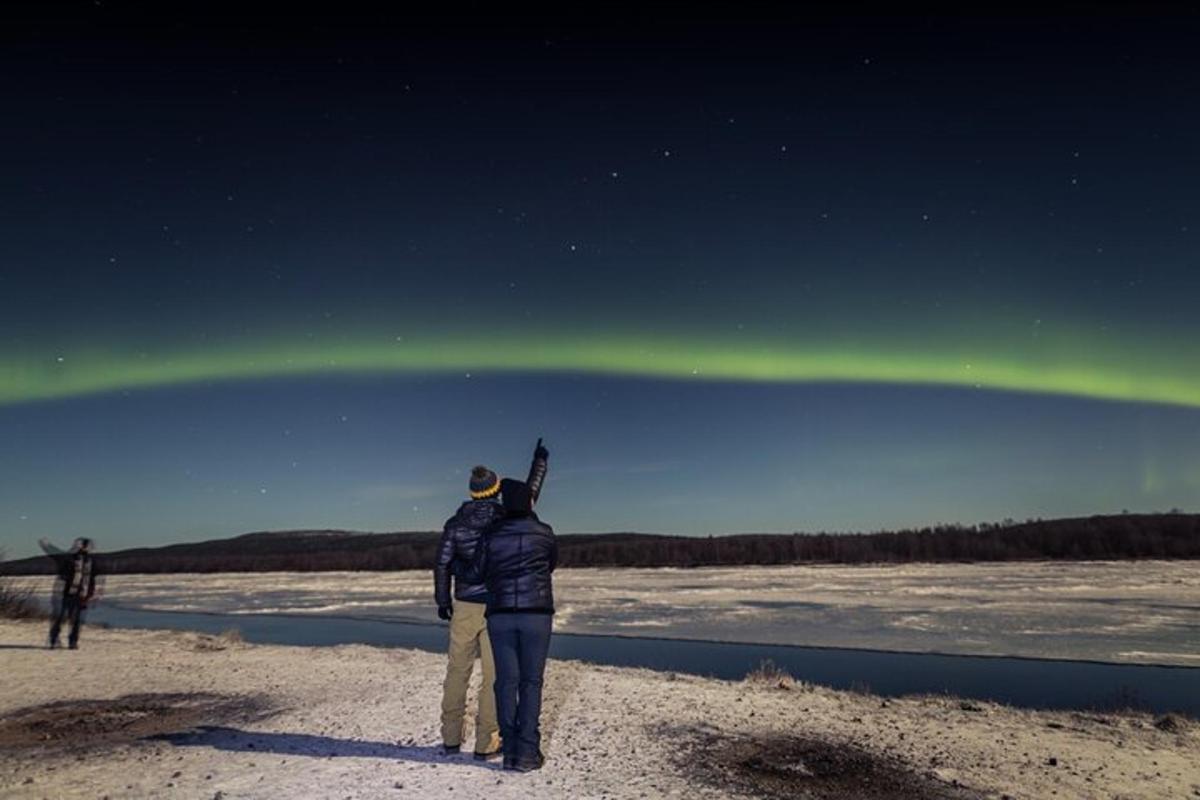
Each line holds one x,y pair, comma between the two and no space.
176,714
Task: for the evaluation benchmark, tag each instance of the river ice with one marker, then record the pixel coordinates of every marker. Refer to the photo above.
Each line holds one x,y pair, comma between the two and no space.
1133,612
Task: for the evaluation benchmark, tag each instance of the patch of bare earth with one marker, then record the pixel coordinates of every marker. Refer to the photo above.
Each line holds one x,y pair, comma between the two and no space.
83,725
799,768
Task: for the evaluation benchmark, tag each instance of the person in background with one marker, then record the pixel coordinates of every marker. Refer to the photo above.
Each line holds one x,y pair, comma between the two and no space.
465,612
75,587
515,560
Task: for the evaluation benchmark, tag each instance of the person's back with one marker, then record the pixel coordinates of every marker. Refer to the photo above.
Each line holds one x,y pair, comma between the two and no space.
522,552
460,540
463,532
516,559
75,569
461,536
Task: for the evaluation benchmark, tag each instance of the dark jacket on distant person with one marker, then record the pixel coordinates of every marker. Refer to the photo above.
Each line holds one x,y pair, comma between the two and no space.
515,561
460,540
76,572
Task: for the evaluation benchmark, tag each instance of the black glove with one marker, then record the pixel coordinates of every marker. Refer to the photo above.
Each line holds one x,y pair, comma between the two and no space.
541,452
445,612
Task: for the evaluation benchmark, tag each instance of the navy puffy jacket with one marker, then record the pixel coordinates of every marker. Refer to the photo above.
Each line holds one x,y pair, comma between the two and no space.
460,539
515,560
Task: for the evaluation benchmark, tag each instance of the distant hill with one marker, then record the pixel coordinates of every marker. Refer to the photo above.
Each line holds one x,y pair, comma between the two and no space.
1124,536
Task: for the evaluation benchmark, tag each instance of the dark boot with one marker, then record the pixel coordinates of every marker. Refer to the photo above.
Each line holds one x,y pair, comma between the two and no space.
530,766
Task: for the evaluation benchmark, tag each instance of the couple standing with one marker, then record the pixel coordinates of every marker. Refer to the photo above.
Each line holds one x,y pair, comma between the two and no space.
500,556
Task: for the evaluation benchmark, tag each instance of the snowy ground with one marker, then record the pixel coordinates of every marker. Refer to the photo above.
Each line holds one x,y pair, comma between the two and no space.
1134,612
167,714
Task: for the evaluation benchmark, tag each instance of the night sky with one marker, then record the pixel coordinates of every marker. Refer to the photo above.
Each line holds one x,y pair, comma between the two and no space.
743,273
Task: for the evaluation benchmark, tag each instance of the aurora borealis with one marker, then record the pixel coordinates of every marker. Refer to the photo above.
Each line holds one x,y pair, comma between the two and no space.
1146,379
842,270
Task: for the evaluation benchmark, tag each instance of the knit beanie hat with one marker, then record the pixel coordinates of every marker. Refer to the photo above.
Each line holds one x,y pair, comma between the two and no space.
484,483
516,496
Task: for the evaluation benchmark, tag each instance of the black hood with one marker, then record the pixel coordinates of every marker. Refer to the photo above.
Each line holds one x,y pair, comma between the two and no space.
517,499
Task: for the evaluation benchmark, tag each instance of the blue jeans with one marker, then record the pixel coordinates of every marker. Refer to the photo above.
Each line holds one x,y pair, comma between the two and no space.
520,643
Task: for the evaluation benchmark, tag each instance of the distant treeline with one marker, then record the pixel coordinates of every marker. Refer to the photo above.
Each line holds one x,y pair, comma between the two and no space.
1126,536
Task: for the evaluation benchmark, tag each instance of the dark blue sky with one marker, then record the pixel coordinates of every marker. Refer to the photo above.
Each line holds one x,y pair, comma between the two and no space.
862,230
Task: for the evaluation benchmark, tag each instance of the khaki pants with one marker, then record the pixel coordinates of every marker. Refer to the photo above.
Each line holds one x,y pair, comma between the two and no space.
468,641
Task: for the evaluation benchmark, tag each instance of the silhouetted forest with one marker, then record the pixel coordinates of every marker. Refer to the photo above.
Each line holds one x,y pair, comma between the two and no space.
1125,536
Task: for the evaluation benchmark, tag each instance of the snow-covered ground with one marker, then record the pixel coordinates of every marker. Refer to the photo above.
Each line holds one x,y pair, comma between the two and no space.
1135,612
159,714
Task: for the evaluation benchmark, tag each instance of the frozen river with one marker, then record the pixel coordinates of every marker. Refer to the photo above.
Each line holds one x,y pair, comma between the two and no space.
1124,612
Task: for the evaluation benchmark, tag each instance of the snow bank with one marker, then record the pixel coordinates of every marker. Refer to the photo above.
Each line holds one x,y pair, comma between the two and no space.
166,714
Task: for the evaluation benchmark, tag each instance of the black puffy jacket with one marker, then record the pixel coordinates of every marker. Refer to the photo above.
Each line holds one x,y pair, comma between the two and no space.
66,564
460,539
515,560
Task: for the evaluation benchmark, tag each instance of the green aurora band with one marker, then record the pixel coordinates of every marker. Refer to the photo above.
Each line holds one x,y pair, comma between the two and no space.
1073,368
